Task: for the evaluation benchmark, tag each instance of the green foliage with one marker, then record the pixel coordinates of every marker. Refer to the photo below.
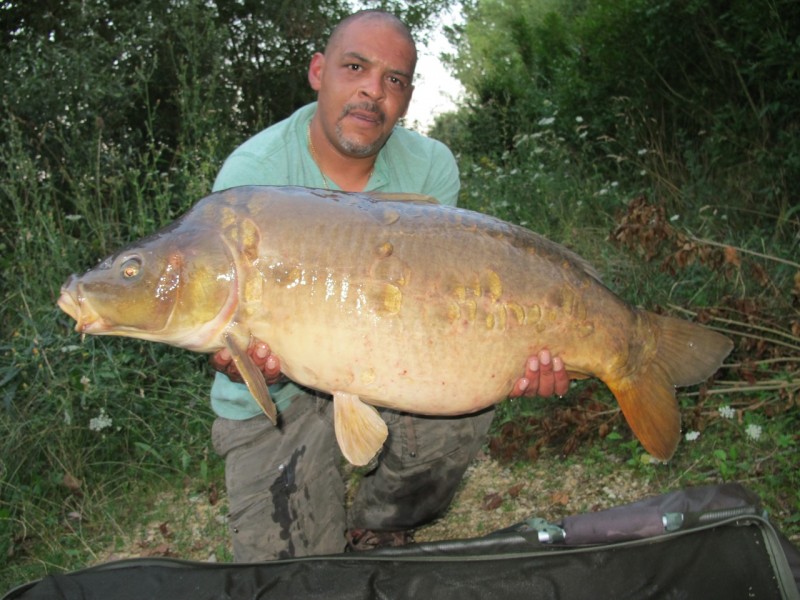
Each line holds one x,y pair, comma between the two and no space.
658,140
114,119
82,423
698,95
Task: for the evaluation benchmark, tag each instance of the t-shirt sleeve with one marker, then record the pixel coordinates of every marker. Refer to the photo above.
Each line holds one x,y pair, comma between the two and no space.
443,182
242,168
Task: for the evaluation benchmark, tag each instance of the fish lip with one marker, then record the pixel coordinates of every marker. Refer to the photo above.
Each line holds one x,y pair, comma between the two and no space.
72,302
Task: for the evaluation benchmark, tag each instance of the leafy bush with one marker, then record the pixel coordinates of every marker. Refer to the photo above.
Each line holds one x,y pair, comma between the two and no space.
115,119
698,95
657,139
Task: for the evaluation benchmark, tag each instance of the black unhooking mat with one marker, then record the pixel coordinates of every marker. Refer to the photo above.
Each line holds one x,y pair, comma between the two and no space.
706,543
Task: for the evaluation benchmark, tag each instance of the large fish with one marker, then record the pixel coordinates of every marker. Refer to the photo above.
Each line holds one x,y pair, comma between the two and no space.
391,301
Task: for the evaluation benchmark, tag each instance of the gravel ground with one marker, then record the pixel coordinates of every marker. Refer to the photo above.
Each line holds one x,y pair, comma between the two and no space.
192,525
493,496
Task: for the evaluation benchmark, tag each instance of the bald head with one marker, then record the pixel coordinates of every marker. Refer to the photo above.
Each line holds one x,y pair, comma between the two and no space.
368,17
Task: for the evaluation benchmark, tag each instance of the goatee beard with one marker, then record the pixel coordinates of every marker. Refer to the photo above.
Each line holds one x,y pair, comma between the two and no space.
355,148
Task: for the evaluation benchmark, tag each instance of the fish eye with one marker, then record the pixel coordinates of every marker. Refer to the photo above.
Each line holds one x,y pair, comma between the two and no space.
131,268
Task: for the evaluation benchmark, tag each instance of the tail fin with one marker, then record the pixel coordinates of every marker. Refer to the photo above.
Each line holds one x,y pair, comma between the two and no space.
681,353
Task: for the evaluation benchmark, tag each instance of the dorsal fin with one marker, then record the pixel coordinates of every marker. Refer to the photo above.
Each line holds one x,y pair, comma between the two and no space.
402,197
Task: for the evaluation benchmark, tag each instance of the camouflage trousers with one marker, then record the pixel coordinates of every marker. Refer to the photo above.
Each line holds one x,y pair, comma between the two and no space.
287,493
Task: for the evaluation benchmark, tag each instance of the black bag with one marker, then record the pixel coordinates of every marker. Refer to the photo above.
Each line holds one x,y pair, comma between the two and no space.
708,542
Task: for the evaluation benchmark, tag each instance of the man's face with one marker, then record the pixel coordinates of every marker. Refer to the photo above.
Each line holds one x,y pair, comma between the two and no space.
364,86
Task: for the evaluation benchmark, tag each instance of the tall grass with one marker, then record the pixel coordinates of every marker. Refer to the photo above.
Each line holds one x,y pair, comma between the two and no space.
84,424
697,258
88,428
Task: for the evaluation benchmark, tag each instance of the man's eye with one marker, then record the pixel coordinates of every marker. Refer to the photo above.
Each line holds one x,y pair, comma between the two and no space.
354,67
396,82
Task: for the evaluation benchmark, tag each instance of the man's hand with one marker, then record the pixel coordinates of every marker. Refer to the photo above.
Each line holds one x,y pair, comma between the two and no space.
268,363
544,376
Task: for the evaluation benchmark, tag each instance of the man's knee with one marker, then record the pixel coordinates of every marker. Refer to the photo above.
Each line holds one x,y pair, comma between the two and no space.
420,472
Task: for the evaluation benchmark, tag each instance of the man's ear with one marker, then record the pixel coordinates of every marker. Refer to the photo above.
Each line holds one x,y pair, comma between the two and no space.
315,71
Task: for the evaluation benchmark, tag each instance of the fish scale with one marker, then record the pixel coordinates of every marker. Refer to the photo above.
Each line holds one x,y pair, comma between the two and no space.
392,301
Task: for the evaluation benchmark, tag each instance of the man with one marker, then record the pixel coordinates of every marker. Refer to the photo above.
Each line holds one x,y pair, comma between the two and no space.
285,490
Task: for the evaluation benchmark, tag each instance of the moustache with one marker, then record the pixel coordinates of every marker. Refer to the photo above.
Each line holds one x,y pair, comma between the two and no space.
370,107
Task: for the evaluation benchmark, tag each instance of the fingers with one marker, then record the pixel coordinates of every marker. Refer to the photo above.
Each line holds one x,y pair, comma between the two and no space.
561,379
547,382
268,363
220,360
272,369
260,354
520,387
544,376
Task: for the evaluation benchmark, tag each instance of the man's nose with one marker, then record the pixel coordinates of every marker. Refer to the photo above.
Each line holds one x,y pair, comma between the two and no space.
373,87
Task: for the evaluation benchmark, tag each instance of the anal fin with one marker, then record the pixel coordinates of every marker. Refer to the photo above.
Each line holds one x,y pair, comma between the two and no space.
360,429
253,377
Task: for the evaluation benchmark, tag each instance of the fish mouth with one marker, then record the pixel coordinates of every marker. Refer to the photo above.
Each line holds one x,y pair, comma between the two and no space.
73,303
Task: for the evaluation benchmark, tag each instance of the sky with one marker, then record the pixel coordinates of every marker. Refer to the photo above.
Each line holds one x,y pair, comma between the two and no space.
434,88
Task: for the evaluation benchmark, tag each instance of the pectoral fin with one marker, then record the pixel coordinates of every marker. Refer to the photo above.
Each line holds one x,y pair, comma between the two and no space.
253,377
360,430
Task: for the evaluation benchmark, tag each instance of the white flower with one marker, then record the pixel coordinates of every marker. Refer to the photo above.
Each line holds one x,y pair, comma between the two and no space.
726,412
692,435
85,381
674,218
753,431
579,119
100,422
544,121
642,152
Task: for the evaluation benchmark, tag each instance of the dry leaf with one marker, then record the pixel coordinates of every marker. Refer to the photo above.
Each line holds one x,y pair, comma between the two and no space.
72,483
492,501
163,528
732,257
514,490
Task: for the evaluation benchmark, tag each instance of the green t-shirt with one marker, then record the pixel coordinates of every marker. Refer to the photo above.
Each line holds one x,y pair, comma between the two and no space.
279,155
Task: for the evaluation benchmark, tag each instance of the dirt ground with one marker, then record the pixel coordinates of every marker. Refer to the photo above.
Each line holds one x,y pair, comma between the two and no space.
493,497
193,525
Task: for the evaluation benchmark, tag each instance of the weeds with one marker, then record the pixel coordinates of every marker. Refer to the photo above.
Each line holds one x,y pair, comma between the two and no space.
98,437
